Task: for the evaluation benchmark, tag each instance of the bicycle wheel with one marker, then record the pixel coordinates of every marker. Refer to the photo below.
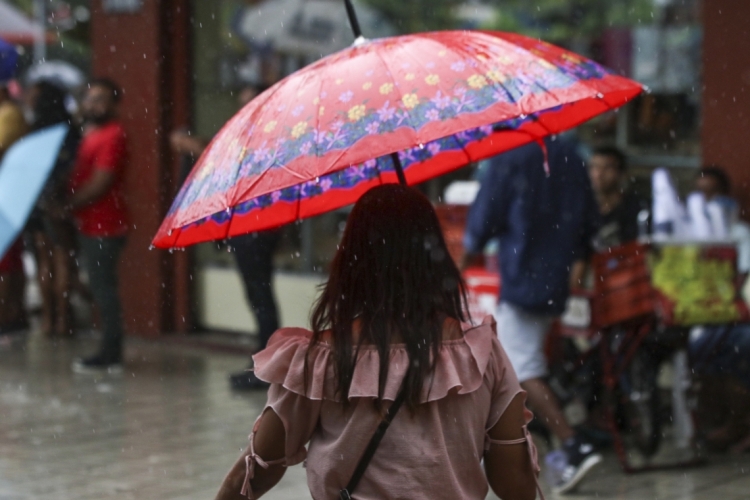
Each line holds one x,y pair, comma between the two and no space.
639,403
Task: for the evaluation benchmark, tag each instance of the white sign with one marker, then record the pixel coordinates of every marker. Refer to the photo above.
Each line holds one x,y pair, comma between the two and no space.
122,6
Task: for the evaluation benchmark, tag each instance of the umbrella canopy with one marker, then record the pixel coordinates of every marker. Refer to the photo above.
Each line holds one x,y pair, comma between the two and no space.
321,137
23,173
305,27
61,73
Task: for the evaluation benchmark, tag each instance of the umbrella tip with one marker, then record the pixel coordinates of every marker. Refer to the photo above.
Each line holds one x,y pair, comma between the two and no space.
359,41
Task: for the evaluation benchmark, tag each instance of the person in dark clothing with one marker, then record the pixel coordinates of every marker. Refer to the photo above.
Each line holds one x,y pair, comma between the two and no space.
253,253
619,208
543,222
254,256
50,225
12,278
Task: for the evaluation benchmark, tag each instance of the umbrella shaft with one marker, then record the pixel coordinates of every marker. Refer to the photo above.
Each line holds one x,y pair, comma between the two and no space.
353,18
399,169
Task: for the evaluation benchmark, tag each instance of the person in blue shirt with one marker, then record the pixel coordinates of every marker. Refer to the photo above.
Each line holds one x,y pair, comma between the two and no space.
544,217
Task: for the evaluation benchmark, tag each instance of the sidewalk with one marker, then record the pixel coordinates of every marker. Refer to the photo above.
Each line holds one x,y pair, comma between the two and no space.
169,428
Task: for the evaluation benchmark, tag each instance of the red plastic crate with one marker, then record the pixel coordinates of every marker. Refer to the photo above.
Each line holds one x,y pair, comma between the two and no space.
622,286
483,292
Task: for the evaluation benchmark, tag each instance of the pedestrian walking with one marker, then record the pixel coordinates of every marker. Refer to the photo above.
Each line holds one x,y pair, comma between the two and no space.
253,254
544,219
98,207
389,329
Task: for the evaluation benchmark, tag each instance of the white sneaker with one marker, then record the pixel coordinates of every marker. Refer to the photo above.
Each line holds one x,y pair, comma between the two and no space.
96,365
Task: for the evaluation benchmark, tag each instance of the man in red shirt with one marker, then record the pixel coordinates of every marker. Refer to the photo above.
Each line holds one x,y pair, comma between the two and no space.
98,207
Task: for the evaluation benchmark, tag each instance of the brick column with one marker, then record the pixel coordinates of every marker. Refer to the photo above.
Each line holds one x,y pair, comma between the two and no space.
147,53
726,94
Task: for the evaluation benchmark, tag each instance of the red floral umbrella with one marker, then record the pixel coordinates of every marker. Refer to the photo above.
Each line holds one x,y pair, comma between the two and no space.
405,108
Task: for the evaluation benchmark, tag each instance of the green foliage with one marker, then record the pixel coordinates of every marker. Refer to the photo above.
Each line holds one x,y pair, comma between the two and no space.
411,16
556,20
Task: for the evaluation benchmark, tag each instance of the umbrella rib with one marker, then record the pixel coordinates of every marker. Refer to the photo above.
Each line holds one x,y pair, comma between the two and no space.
461,144
257,179
316,145
380,172
299,202
421,64
316,129
238,119
398,89
286,111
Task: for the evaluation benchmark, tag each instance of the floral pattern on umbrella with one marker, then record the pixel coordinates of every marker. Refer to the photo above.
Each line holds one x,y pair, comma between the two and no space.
329,128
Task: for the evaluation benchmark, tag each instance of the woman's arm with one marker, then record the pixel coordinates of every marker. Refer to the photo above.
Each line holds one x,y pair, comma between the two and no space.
269,442
508,466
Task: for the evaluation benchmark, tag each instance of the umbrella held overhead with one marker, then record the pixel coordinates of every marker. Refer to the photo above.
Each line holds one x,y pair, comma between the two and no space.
403,108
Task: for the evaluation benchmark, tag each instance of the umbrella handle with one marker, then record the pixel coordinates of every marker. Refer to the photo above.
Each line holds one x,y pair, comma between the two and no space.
399,169
353,21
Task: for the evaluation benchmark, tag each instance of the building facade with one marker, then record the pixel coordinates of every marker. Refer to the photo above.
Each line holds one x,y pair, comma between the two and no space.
180,63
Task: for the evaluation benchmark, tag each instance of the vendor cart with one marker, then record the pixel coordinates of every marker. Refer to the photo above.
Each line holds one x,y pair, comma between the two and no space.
645,298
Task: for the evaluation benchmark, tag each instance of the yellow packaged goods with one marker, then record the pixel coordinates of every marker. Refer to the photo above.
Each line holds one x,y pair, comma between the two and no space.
701,286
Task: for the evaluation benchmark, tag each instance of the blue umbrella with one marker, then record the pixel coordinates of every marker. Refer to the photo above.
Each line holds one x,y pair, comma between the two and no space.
23,173
8,59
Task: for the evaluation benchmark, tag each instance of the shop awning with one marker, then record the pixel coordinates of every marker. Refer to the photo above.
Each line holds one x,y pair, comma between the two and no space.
17,28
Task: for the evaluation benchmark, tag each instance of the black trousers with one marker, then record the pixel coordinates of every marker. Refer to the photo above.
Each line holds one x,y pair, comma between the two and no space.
254,255
101,256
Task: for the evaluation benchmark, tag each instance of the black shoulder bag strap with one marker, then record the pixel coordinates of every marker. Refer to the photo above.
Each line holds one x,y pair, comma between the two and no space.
372,446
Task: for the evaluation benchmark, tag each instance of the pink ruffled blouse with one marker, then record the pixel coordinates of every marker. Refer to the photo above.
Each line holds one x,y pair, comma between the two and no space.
433,453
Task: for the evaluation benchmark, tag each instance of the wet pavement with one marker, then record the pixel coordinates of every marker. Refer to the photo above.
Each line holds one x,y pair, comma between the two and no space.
169,428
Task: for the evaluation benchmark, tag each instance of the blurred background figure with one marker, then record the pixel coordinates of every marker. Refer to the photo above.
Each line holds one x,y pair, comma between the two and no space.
618,206
712,210
51,227
544,222
714,183
99,210
12,122
253,253
12,278
721,354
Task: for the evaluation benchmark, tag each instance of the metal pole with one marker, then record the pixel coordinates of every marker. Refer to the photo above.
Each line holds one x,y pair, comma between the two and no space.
399,169
353,18
40,43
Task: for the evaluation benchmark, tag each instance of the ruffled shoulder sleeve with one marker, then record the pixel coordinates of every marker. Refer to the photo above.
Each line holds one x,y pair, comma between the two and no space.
283,362
460,368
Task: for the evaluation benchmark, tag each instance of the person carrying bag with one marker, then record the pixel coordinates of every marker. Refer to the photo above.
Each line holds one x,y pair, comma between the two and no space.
390,350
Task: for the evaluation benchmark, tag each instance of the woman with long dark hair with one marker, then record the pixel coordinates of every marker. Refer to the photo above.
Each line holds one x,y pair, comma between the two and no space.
389,327
52,229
